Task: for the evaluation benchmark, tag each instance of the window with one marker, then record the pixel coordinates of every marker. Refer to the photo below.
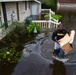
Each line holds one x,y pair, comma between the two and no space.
17,11
25,5
29,5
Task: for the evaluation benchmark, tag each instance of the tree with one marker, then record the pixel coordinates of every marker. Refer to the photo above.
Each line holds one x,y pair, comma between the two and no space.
50,3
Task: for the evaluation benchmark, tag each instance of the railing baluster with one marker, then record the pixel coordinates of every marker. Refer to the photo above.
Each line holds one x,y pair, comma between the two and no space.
46,24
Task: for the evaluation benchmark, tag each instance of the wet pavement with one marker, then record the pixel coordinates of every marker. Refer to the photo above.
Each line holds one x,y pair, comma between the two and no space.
37,59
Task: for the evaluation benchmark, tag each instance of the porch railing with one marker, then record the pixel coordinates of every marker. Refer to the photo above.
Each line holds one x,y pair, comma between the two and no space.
46,24
51,23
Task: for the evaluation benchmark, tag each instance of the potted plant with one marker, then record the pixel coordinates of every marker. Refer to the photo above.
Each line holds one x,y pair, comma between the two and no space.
33,28
56,16
47,16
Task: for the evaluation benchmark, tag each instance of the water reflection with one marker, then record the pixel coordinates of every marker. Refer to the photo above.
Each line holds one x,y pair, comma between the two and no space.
7,69
58,68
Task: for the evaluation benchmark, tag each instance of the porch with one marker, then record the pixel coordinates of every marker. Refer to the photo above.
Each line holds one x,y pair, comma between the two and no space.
40,20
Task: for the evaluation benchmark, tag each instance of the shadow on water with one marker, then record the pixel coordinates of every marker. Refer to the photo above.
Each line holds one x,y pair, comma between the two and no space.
58,68
7,69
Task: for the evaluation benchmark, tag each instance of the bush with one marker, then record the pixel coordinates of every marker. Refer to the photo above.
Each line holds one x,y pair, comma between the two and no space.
47,16
27,21
16,38
32,26
5,24
8,56
12,43
57,17
46,4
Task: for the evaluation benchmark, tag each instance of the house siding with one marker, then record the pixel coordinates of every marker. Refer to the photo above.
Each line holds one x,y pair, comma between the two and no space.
2,20
20,7
38,8
66,1
22,12
10,7
0,15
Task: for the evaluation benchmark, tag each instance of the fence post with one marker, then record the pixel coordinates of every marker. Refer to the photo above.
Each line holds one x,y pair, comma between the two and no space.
49,24
57,24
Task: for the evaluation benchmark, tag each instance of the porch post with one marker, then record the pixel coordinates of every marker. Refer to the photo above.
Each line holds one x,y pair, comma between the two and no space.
49,23
50,18
4,14
2,20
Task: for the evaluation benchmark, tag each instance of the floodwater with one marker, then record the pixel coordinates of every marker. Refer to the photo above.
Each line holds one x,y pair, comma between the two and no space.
37,56
37,59
68,19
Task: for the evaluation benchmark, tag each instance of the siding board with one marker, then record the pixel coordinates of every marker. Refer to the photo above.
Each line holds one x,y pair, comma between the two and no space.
10,7
66,1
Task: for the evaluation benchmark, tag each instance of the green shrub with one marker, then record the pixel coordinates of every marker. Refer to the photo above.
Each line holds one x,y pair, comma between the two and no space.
16,23
11,26
27,21
16,38
32,26
5,24
8,56
38,28
47,16
57,17
13,42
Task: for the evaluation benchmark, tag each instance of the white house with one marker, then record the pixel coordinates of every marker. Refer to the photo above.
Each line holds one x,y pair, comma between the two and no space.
21,8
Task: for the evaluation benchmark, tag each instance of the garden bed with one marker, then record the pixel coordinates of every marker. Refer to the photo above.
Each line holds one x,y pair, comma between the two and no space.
11,46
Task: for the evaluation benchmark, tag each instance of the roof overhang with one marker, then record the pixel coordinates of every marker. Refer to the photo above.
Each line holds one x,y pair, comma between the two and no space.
37,1
18,0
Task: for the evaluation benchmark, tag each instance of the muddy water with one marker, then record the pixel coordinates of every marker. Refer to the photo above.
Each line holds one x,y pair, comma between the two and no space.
69,22
37,59
37,56
68,19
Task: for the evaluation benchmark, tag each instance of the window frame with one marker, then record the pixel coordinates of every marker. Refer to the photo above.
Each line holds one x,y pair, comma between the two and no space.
25,5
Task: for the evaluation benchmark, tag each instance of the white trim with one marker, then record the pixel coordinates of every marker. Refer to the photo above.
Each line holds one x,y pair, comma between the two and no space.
18,0
2,19
37,1
46,24
11,0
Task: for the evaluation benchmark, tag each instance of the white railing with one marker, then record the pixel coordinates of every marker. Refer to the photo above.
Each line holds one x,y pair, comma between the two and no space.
46,24
50,11
51,23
